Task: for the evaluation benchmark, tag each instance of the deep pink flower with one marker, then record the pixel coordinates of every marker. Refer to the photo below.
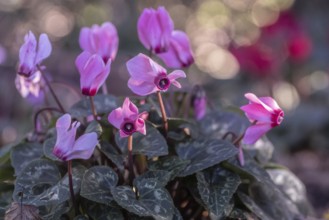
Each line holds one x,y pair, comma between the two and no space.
93,72
179,52
66,147
148,77
31,88
102,40
127,119
154,29
31,54
265,113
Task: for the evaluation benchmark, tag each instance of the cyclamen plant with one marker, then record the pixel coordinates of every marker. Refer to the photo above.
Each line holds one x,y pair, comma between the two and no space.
140,159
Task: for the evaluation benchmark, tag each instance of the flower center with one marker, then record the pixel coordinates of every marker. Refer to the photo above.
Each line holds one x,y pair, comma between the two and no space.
162,81
277,117
128,128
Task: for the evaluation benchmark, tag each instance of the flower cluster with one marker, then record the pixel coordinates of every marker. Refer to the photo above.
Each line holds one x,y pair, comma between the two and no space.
157,34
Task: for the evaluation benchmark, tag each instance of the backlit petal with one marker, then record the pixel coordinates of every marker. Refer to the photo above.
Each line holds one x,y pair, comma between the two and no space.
254,132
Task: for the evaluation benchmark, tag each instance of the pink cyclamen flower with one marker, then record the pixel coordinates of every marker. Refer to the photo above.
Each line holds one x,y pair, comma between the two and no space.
102,40
149,77
154,29
127,119
32,53
179,52
66,147
265,113
93,72
31,88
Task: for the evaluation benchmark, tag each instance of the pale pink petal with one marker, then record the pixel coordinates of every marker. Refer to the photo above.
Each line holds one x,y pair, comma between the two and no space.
63,122
140,126
116,117
81,60
83,147
84,39
269,101
101,78
44,48
254,99
142,88
154,33
254,132
142,67
129,110
256,112
27,54
175,75
142,27
110,39
143,115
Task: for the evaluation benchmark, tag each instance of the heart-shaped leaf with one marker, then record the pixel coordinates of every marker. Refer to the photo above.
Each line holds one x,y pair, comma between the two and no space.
161,176
94,126
97,183
101,211
152,144
24,153
216,188
112,153
204,153
48,147
152,200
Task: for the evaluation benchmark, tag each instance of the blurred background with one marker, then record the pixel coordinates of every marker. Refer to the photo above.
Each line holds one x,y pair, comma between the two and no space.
276,48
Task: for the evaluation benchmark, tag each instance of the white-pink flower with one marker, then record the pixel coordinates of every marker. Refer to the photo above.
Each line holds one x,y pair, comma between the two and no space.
148,77
66,147
264,112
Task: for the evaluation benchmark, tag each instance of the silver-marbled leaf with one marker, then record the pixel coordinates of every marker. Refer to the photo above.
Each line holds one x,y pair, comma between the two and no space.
24,153
48,147
94,126
110,152
97,183
162,176
102,212
204,153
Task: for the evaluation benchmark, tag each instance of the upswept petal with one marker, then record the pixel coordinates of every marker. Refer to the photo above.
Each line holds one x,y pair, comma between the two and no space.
269,101
129,110
254,99
101,78
27,53
116,117
175,75
254,132
256,112
143,68
166,22
83,147
63,123
84,39
142,88
142,27
44,48
154,33
110,39
140,126
81,60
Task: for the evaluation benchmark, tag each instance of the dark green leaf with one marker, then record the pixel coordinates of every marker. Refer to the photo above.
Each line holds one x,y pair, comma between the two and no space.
252,206
241,214
24,153
56,211
172,164
292,187
35,178
153,200
97,183
263,149
48,147
204,153
101,211
113,154
217,124
94,126
161,176
103,104
152,144
216,188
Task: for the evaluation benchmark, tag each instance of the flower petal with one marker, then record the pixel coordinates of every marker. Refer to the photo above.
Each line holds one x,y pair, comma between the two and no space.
257,112
116,117
140,126
142,88
27,54
254,99
84,39
175,75
83,147
254,132
269,101
44,48
101,78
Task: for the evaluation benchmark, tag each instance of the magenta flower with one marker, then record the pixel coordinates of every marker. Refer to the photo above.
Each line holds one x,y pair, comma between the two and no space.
149,77
93,72
66,147
102,40
127,119
31,54
154,29
265,113
31,88
179,53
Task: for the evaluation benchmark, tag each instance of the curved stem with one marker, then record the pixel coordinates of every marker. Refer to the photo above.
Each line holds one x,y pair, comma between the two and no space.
130,159
93,109
51,90
69,170
163,112
39,112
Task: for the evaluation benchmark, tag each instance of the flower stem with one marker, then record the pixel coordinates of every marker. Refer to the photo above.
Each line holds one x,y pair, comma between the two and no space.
163,112
51,90
93,109
69,170
130,159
